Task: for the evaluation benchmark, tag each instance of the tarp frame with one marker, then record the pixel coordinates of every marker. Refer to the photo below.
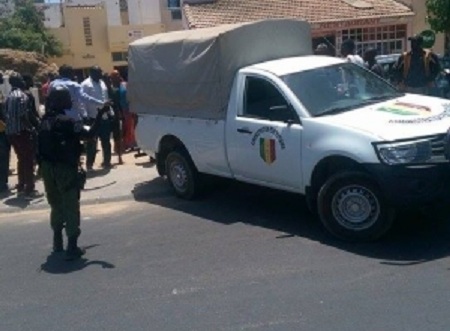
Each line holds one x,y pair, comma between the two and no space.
190,73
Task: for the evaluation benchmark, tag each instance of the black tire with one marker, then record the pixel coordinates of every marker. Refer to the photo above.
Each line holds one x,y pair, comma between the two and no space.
311,203
182,175
160,165
352,207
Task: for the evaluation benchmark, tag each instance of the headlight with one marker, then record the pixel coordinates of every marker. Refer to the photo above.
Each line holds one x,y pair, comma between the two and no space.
405,152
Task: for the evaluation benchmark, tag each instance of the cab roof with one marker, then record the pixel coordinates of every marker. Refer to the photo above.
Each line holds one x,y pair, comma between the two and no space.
291,65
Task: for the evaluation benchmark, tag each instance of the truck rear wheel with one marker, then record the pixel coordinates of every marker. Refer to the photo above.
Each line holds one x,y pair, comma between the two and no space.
353,208
182,174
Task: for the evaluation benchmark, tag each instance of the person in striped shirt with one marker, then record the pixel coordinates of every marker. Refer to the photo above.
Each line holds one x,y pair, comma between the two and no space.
4,148
19,131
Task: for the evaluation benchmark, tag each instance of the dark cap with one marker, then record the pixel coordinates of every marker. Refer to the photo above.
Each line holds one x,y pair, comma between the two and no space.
59,99
417,38
349,44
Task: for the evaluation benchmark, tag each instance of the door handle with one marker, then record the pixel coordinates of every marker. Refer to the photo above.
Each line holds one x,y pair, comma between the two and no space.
244,130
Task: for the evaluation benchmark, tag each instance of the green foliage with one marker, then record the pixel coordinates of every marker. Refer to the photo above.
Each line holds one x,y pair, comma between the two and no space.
25,31
439,15
439,18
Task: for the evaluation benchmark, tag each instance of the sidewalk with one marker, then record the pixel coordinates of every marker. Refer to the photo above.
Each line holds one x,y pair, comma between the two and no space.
116,184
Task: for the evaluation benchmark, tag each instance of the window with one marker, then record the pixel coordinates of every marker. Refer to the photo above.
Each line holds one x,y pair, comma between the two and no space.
263,100
124,17
119,56
386,39
173,4
176,14
175,9
87,31
123,5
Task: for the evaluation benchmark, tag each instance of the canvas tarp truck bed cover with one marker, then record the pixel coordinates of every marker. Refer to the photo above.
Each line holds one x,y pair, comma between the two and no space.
190,73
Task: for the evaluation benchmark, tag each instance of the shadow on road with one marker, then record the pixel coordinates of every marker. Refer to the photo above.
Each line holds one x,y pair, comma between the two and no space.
414,238
96,188
55,264
97,173
5,194
147,164
21,202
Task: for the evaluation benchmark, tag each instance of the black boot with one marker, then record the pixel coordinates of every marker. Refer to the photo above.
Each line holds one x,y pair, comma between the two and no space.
57,241
73,252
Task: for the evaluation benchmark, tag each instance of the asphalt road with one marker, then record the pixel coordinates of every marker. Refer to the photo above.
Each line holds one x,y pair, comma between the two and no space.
241,259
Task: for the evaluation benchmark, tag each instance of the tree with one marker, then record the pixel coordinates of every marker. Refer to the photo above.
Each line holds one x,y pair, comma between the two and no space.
439,18
25,31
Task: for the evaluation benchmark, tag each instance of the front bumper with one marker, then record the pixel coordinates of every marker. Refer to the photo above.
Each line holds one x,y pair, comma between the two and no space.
413,185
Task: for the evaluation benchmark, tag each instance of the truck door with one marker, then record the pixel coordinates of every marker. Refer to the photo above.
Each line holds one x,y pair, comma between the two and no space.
264,139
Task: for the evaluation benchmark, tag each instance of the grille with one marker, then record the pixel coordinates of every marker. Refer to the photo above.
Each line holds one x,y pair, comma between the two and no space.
437,148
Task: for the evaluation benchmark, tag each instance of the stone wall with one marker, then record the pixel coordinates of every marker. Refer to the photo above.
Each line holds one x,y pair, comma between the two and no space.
26,63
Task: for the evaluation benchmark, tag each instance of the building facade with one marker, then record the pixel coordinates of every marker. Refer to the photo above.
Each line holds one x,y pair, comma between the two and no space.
387,35
98,32
382,24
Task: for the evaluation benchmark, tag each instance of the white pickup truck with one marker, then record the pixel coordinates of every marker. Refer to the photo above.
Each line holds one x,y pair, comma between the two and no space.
317,126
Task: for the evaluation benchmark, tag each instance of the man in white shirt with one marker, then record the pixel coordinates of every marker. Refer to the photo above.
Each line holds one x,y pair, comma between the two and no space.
348,52
96,88
79,98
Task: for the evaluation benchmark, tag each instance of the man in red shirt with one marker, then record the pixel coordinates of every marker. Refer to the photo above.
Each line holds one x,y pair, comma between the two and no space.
44,89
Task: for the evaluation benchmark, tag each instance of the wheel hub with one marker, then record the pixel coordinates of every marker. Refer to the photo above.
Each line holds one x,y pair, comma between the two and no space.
178,176
355,207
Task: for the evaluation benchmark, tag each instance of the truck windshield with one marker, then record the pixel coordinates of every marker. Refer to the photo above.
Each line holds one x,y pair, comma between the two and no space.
338,88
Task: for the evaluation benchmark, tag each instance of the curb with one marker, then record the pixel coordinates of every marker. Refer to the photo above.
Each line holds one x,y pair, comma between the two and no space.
89,202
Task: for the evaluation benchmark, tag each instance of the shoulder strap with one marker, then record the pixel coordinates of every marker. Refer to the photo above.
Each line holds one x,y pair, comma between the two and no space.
427,59
406,64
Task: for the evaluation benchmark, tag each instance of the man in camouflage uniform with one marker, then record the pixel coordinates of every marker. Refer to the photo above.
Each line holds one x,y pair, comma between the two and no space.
60,149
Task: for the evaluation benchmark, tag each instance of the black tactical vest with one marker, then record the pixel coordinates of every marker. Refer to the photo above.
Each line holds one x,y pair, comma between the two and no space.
59,141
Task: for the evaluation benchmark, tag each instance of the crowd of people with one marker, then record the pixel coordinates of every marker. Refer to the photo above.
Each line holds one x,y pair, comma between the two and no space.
76,116
20,122
414,72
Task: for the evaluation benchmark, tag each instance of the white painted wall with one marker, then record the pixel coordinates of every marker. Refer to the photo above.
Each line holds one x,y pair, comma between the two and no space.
52,14
140,12
144,12
112,8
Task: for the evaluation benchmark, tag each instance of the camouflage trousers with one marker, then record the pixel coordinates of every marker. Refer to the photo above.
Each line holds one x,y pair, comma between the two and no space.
63,195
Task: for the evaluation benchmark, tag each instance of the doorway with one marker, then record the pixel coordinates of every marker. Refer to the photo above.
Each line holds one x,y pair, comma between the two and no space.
329,40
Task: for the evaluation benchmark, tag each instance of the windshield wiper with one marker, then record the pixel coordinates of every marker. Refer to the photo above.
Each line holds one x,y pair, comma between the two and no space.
382,98
377,99
335,110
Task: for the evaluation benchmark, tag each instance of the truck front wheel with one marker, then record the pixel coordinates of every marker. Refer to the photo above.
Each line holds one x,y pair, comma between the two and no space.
352,207
182,175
